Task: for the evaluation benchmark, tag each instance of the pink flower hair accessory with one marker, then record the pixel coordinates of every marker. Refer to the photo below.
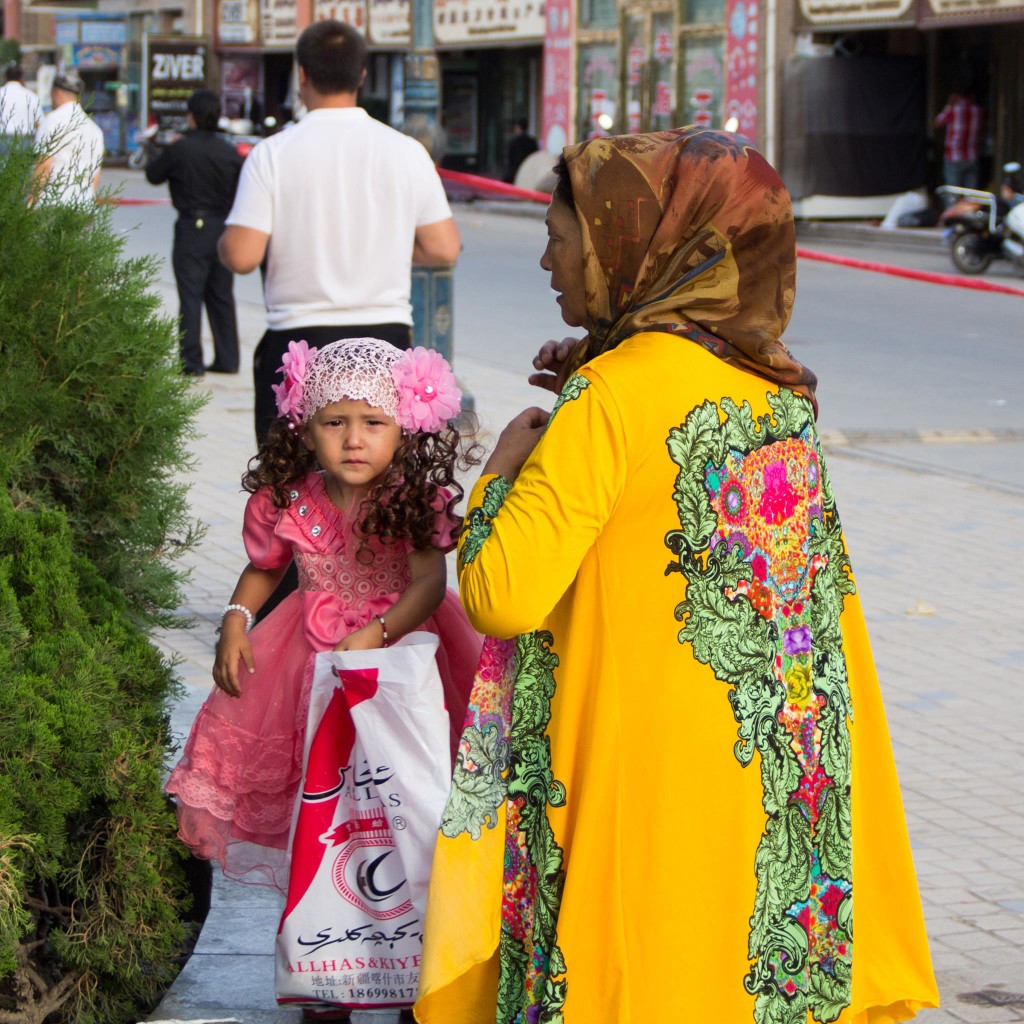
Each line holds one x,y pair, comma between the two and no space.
290,393
428,396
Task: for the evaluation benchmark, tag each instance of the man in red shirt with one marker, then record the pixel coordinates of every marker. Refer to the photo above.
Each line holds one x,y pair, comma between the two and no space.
961,117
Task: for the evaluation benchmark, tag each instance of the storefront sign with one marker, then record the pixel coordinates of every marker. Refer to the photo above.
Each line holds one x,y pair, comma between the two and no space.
96,56
352,12
741,65
113,32
850,12
390,22
555,112
968,10
484,21
238,22
175,66
279,23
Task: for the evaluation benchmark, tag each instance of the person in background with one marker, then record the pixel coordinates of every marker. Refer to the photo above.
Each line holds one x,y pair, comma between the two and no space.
201,170
71,149
342,205
520,146
961,117
20,111
676,772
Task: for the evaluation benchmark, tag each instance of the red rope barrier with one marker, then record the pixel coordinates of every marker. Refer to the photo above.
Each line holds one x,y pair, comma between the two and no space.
951,280
490,185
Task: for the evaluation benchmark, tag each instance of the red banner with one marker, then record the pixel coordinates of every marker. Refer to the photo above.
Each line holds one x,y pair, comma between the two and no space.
742,71
555,115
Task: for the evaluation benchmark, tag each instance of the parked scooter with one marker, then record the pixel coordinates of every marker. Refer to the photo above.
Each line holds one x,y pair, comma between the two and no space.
983,227
149,143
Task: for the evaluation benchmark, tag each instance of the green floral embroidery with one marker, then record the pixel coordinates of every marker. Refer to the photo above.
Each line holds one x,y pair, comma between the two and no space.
532,985
761,548
479,785
478,522
571,390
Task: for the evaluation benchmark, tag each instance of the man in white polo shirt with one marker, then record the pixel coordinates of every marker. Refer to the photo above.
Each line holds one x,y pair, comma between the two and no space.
70,145
19,110
341,205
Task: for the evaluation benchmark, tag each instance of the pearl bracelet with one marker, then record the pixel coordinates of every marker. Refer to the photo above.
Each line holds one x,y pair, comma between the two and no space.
242,610
383,629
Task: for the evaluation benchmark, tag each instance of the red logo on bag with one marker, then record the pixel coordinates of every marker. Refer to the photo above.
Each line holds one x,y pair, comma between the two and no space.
366,873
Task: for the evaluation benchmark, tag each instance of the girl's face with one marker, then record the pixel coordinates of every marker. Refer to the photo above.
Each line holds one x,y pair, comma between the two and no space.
354,443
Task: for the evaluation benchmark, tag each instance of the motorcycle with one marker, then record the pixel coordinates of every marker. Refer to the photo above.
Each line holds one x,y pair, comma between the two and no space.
982,227
149,143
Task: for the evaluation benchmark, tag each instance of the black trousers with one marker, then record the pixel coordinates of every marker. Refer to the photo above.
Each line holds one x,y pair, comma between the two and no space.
266,360
204,281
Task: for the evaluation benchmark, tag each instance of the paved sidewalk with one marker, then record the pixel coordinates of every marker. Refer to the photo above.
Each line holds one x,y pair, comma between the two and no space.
938,564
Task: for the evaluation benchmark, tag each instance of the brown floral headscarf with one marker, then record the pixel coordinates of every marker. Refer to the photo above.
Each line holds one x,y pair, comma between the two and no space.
690,232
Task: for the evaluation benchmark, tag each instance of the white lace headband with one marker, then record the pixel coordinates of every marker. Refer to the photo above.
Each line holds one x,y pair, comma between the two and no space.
416,388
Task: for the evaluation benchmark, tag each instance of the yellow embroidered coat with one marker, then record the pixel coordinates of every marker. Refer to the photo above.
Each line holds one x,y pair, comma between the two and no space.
676,772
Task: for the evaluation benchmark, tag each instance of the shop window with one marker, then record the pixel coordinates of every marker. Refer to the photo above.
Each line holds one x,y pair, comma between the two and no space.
596,14
701,99
597,89
703,12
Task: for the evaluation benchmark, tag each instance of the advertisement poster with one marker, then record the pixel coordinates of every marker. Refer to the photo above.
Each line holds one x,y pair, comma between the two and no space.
352,12
741,65
174,66
241,84
96,56
460,114
279,22
555,112
238,22
390,22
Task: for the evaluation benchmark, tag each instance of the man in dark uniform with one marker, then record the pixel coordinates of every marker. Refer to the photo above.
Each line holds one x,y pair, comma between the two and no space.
202,169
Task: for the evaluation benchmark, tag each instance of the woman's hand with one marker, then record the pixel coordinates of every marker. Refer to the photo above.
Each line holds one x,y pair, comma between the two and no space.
551,360
516,443
368,638
232,647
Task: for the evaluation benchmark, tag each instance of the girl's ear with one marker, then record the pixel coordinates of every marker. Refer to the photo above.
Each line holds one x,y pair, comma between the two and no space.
303,432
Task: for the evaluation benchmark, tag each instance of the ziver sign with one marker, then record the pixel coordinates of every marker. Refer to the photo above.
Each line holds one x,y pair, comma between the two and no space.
175,66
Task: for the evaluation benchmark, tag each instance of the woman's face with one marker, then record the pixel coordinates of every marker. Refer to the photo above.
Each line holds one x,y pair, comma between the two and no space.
563,260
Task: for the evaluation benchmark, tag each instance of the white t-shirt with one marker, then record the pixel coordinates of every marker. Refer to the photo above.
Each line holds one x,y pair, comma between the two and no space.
341,196
19,109
75,142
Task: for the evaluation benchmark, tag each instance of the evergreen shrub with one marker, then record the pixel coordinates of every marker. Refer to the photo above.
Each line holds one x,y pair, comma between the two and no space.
95,420
91,879
91,396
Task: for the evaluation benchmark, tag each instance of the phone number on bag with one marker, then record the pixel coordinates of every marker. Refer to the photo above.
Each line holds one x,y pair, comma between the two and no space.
382,993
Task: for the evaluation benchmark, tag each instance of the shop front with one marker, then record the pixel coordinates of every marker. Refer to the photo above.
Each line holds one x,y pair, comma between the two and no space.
491,54
864,82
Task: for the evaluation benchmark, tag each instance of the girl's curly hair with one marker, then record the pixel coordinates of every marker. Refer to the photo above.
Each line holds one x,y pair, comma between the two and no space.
402,505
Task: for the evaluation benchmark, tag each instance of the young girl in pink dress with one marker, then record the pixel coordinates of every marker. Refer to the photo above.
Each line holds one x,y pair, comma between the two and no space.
355,482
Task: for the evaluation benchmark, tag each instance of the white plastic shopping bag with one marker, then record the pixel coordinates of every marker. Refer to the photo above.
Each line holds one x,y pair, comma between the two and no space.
375,782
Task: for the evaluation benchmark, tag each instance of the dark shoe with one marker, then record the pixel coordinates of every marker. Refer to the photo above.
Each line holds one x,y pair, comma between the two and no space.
214,368
189,372
406,1015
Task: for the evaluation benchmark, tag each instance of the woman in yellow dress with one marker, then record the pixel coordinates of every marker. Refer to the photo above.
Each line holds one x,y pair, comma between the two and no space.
676,771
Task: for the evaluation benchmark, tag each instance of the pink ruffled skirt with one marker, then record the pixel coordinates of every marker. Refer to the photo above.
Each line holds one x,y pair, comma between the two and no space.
237,780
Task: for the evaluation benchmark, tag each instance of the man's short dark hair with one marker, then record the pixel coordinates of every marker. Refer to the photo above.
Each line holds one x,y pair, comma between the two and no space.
13,73
204,106
333,55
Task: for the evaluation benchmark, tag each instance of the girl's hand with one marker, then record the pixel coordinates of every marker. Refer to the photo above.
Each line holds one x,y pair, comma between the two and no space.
551,359
366,639
232,647
516,443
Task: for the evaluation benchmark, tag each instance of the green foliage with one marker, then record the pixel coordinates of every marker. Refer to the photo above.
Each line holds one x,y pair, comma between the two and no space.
95,420
90,871
10,51
95,417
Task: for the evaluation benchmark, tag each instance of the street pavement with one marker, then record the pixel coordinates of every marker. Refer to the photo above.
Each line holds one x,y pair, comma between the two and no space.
937,557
